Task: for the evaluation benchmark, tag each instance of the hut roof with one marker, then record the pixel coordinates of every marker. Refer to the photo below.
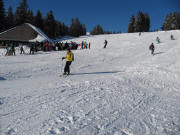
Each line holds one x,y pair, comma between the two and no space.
25,33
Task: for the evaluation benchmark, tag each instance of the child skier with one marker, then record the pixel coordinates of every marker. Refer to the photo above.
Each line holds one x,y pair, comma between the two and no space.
158,39
69,58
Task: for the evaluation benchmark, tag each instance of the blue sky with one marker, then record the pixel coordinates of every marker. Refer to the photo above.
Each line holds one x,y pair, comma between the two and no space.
110,14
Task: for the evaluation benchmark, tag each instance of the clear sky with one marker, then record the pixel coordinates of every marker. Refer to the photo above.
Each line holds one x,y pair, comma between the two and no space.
112,15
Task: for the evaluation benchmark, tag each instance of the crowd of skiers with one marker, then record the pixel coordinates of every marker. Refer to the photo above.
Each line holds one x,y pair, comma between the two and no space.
46,46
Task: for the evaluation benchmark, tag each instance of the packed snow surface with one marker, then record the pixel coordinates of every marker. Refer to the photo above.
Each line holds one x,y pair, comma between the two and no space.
120,90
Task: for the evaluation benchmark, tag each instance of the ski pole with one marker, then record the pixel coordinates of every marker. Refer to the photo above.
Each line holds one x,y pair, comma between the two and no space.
62,66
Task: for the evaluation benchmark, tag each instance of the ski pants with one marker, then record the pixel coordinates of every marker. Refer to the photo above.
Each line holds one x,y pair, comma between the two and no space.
105,45
152,51
67,67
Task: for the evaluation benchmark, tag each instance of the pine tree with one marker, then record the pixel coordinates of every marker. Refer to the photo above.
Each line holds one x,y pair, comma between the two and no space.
65,30
83,30
140,22
97,30
76,28
21,12
50,25
147,22
30,17
177,15
10,18
38,20
131,27
2,16
172,22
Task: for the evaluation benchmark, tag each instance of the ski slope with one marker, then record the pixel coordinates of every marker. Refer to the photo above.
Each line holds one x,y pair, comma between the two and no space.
120,90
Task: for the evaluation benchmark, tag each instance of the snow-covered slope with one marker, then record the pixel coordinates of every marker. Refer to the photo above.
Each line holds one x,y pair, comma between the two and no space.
120,90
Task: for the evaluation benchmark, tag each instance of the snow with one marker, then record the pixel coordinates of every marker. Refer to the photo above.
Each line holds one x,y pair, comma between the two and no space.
41,36
120,90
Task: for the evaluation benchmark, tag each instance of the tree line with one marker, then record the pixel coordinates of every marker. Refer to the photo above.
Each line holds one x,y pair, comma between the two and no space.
142,22
48,24
54,28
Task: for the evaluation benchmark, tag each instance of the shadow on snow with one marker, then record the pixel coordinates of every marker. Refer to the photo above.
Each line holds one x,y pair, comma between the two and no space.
158,53
108,72
2,79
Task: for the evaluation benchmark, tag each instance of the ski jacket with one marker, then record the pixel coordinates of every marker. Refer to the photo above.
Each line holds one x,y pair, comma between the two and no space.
69,56
151,47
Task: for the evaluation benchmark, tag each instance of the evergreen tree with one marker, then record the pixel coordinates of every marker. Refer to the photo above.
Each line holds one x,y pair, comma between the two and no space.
38,20
21,12
147,22
131,27
177,14
58,29
10,18
50,25
76,28
97,30
83,30
65,30
140,22
30,17
172,21
2,16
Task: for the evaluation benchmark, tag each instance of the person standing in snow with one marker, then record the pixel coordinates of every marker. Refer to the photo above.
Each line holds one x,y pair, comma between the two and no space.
105,43
158,39
22,49
69,58
13,49
8,49
89,45
151,47
82,45
172,37
31,49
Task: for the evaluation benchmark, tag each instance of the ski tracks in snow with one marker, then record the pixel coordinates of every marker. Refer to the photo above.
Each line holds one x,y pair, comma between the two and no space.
120,105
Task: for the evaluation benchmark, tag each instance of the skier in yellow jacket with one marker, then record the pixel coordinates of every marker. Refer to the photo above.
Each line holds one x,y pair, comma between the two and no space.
69,58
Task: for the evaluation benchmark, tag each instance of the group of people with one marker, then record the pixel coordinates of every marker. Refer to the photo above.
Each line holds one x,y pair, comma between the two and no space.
72,45
152,47
85,45
10,50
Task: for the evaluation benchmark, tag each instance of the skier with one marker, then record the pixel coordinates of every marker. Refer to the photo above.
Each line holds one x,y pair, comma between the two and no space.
22,50
172,37
151,47
158,39
31,49
69,58
105,43
13,49
82,45
86,45
89,45
8,49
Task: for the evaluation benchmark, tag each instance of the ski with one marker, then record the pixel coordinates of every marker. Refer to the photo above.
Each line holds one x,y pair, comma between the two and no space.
64,75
